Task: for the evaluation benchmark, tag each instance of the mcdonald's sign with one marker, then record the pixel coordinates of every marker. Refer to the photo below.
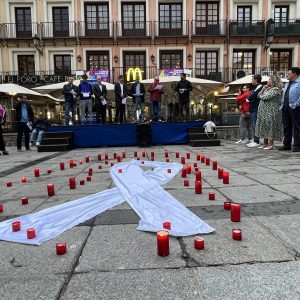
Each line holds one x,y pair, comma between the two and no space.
136,72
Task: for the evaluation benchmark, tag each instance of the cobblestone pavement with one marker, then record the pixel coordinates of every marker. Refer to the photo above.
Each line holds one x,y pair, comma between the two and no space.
108,258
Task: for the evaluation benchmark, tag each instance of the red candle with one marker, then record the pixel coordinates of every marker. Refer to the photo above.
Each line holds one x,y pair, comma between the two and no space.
177,154
202,158
62,166
237,234
1,208
24,200
235,212
227,205
143,154
214,165
24,179
36,172
61,248
188,169
137,158
188,155
198,156
207,161
16,226
182,160
167,160
199,243
100,167
89,178
169,171
112,164
135,153
225,177
123,154
71,163
119,159
9,184
49,171
80,162
31,233
87,159
99,157
90,169
166,154
106,162
142,162
152,153
198,187
167,225
198,176
196,169
211,196
115,155
120,170
50,189
220,173
183,172
152,158
195,165
163,243
72,183
81,182
186,183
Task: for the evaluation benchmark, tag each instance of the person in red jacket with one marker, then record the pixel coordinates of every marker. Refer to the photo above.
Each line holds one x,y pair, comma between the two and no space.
245,122
156,89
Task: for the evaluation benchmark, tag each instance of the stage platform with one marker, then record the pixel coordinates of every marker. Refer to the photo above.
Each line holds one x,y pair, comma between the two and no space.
163,133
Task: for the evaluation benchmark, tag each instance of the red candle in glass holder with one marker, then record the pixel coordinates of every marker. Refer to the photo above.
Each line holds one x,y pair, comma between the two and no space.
72,183
214,165
169,171
199,243
186,183
1,208
16,226
163,243
81,182
99,157
9,184
115,155
152,153
225,177
135,153
61,248
198,187
227,205
198,176
166,154
220,173
188,155
112,164
119,159
188,169
106,156
198,156
123,154
106,162
80,162
31,233
143,154
120,170
237,234
50,189
24,200
211,196
196,169
195,165
152,158
167,225
183,172
235,212
207,161
36,172
62,166
177,154
100,167
182,160
49,171
137,158
87,159
89,178
167,160
71,163
142,162
202,158
24,179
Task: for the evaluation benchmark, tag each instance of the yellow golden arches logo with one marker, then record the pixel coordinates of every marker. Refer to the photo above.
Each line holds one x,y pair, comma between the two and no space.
137,72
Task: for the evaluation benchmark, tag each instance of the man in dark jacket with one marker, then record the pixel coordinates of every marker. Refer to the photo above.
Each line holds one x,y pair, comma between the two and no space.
2,122
70,92
183,88
24,117
85,90
100,93
137,92
121,93
39,126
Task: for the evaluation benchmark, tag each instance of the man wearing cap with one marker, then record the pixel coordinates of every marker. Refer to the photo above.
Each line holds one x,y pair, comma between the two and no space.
183,88
100,93
85,91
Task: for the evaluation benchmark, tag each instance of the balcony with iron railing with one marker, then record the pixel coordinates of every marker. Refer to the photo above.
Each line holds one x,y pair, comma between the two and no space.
171,29
134,29
95,30
64,29
252,28
208,28
288,27
19,30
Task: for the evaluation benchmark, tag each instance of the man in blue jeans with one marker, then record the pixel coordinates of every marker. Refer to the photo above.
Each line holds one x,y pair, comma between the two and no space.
253,107
138,94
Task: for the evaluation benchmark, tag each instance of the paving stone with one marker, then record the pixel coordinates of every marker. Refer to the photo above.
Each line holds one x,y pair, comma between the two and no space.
291,189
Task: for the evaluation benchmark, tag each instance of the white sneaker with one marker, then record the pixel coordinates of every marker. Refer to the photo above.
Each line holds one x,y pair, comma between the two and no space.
37,144
239,142
250,141
253,145
244,141
30,144
250,144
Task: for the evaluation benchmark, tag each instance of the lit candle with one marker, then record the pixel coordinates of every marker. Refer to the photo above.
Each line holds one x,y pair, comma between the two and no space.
167,160
207,161
182,160
195,165
99,157
89,178
112,164
225,177
235,212
143,154
16,226
198,187
71,163
166,154
90,173
106,162
36,172
188,155
106,156
49,171
215,165
87,159
169,171
152,153
198,176
100,167
1,208
31,233
186,183
177,154
81,182
198,156
220,173
50,189
9,184
188,169
227,205
135,153
183,172
163,243
152,158
62,166
237,234
202,158
119,159
115,155
91,170
120,170
24,200
137,158
199,243
72,183
167,225
196,169
211,196
24,179
123,154
80,162
61,248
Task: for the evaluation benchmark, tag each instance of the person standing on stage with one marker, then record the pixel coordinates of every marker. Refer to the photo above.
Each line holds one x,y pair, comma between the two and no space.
24,117
100,93
70,92
121,93
138,94
184,87
156,90
2,122
85,90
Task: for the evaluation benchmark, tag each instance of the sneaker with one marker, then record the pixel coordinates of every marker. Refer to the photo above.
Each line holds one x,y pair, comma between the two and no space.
5,152
20,150
244,141
150,120
38,143
159,120
250,144
239,142
250,141
253,145
30,144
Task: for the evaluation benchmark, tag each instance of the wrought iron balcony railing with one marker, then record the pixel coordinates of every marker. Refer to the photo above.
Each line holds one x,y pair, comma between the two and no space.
288,27
208,28
64,29
134,29
95,30
252,28
22,30
171,28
